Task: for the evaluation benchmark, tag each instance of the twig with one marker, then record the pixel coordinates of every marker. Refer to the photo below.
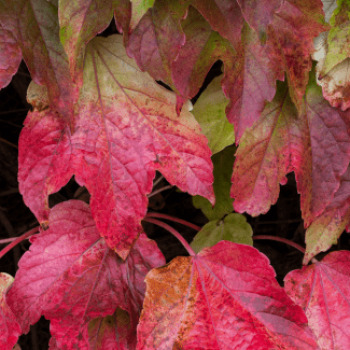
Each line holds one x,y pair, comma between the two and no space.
11,233
168,217
8,142
173,232
160,190
18,240
160,178
283,240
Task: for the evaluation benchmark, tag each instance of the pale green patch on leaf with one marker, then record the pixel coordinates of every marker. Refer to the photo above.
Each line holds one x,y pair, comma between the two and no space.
233,228
209,111
223,164
138,9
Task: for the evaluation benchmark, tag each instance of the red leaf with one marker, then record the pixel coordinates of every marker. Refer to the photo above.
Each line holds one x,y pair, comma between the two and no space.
290,42
315,144
10,329
322,290
328,227
130,132
36,29
112,332
10,57
249,83
223,298
70,276
156,40
44,155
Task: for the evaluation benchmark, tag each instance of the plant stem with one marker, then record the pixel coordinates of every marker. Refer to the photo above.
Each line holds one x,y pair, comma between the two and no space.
18,240
160,178
283,240
160,190
174,232
168,217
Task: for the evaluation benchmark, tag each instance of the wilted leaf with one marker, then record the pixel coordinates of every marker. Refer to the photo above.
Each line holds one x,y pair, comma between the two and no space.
225,297
233,228
322,290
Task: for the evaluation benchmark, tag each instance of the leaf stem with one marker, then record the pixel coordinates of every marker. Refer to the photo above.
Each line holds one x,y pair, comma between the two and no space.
18,240
160,190
283,240
171,218
174,232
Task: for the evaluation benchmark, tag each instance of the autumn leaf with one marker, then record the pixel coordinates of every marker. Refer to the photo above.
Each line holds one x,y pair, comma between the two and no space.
71,276
10,329
224,297
157,38
328,227
315,144
123,138
112,332
322,291
80,21
36,31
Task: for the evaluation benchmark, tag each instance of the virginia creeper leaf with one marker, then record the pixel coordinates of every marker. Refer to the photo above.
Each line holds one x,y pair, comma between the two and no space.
263,158
71,276
139,8
203,47
112,332
223,163
209,111
233,228
250,83
10,57
326,140
327,228
36,30
10,329
79,22
259,14
290,42
322,290
44,153
225,17
315,144
126,127
156,40
225,297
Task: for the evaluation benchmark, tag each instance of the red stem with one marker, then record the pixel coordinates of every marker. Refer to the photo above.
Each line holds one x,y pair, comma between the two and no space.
18,240
160,190
168,217
174,232
283,240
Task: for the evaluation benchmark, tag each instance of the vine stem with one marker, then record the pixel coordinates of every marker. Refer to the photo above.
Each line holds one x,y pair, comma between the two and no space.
283,240
173,232
168,217
18,240
160,190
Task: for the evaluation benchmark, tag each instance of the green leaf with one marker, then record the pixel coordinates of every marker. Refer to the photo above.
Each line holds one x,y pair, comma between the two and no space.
223,165
233,228
209,111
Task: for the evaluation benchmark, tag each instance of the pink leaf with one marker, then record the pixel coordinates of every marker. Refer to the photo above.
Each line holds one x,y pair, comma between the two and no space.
226,297
10,329
322,290
70,276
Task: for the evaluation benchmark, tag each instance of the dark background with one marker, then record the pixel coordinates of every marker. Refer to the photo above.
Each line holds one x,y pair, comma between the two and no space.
283,219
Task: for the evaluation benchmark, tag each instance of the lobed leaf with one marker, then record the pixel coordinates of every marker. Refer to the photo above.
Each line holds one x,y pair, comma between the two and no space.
322,291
